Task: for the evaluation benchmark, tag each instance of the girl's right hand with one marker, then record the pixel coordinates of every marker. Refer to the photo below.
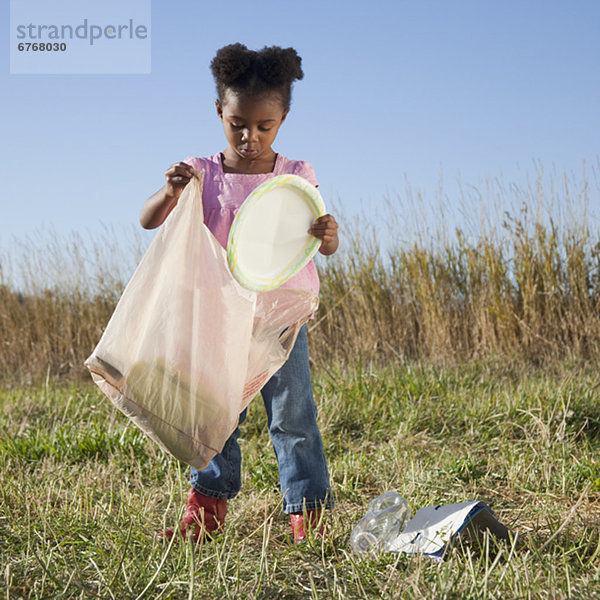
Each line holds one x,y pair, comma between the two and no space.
161,203
178,176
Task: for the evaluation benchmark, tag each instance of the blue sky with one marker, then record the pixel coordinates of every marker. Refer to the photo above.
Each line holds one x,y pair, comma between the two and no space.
395,92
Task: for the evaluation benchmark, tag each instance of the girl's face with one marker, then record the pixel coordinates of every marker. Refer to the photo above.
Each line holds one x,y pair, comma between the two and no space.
251,125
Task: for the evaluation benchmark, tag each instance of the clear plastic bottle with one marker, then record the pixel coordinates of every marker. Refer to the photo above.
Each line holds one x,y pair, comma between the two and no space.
385,518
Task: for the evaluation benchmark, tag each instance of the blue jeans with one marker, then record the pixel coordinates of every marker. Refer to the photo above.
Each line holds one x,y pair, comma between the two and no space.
292,419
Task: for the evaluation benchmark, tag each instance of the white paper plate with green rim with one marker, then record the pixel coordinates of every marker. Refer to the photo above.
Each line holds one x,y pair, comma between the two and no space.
269,240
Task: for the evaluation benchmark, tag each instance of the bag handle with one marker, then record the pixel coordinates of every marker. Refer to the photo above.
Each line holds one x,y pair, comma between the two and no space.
194,188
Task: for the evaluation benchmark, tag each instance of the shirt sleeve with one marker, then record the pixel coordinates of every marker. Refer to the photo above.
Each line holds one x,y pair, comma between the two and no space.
195,162
304,169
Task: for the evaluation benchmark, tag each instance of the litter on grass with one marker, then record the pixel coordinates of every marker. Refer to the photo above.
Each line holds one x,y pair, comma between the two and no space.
387,527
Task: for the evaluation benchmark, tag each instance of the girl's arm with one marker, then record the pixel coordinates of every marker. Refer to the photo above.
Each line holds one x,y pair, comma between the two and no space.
157,208
326,229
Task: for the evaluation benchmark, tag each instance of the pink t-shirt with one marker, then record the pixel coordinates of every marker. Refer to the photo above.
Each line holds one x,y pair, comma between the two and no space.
224,193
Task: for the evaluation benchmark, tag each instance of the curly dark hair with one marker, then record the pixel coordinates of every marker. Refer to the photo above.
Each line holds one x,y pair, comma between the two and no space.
253,73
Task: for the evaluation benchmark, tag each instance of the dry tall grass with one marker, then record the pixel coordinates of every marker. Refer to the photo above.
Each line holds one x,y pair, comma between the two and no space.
523,282
56,296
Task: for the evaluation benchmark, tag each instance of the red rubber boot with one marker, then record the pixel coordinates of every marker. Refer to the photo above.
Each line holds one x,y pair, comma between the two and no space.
300,524
203,514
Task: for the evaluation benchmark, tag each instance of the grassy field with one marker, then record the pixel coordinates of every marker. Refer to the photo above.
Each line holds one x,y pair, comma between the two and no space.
518,279
451,363
82,492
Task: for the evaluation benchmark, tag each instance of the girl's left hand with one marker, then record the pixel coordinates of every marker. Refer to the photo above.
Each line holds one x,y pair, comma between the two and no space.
326,229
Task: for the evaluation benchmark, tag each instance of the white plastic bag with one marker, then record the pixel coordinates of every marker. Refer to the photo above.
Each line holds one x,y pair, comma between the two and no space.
187,347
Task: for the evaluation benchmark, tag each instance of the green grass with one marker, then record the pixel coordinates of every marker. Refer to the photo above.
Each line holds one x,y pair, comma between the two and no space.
82,492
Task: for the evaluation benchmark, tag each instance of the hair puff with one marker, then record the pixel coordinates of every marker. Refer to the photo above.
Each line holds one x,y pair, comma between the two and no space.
272,69
232,63
279,65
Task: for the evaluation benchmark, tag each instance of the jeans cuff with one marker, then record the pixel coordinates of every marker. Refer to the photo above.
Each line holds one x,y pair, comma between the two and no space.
314,505
214,493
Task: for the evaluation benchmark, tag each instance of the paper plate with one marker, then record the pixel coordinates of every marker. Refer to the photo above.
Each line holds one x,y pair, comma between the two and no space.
268,242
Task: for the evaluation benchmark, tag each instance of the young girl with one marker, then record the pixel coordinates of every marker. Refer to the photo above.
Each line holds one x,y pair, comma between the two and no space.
254,93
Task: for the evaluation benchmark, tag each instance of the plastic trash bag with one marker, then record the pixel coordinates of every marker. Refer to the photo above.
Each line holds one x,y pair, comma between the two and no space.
188,347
